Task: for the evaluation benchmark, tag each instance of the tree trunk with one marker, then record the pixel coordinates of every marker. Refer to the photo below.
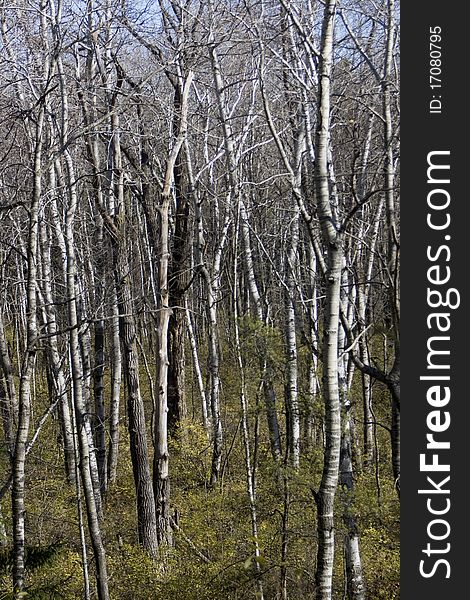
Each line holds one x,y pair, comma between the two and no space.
333,243
327,491
177,282
9,401
146,518
217,432
27,367
115,396
81,410
312,433
354,579
161,480
55,362
292,403
98,366
395,439
393,244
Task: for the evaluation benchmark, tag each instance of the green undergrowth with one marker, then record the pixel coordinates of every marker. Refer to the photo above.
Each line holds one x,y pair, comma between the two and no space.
212,557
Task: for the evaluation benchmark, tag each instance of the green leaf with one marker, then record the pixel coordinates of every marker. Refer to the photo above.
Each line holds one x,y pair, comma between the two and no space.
261,561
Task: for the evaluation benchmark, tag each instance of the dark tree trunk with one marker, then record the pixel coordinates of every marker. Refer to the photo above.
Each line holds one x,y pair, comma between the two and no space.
146,519
178,281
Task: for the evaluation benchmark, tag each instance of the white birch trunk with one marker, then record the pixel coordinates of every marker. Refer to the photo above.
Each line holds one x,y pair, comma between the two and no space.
354,579
292,402
115,396
56,364
27,368
161,479
81,414
333,243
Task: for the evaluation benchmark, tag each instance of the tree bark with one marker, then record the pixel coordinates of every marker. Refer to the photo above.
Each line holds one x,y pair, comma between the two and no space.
161,480
27,367
393,243
81,412
354,579
115,396
333,244
98,366
9,405
146,518
177,282
292,402
55,363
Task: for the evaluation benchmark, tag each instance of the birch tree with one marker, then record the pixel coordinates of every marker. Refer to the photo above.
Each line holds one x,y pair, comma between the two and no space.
198,213
35,141
333,243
